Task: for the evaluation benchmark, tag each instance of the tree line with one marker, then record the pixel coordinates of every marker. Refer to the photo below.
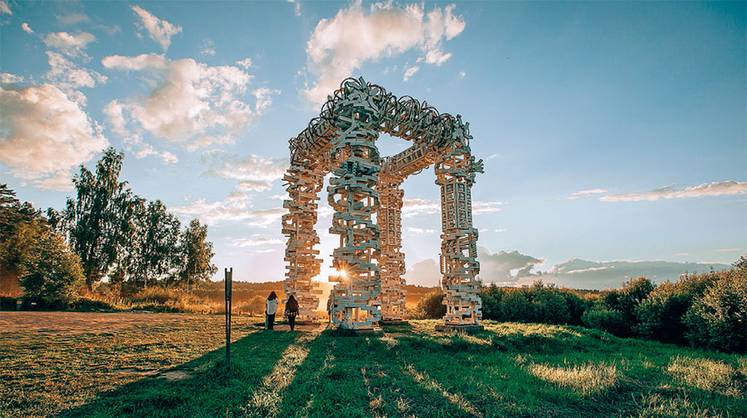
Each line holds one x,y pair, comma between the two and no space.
105,231
703,310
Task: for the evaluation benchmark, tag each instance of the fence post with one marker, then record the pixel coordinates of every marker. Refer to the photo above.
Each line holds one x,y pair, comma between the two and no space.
229,285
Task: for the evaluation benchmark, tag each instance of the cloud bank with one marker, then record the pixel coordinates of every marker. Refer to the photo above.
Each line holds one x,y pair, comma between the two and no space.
341,45
721,188
190,104
45,134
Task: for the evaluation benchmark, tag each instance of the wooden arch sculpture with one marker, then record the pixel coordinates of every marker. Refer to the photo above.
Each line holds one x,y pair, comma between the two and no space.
342,141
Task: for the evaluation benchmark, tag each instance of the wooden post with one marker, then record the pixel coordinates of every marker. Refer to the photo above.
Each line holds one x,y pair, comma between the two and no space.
229,285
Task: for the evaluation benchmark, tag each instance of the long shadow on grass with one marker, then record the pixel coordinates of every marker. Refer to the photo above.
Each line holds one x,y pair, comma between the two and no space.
359,376
201,387
488,370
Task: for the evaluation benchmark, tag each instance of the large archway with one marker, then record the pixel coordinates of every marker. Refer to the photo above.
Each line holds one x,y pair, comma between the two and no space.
366,196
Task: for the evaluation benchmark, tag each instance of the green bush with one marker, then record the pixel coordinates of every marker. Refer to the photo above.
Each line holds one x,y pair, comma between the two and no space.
626,301
51,273
431,306
601,317
547,305
660,315
514,306
8,303
92,305
538,303
718,319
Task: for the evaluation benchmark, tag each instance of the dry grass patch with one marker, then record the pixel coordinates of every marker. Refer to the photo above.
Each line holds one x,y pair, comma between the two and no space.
705,374
587,379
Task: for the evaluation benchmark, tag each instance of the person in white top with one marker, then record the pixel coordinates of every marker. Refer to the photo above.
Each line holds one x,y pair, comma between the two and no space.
271,307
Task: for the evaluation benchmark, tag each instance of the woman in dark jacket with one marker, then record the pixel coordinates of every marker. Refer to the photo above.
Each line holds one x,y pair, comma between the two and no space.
291,311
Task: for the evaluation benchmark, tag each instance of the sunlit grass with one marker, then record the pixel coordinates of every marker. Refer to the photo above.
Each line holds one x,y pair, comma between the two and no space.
706,374
588,379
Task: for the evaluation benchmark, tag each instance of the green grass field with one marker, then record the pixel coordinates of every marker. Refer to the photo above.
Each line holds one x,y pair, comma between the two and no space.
79,364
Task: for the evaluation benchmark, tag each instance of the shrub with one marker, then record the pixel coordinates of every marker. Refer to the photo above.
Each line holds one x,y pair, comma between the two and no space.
255,305
660,314
491,298
92,305
431,306
718,319
627,299
576,307
8,303
547,305
514,306
601,317
163,299
51,273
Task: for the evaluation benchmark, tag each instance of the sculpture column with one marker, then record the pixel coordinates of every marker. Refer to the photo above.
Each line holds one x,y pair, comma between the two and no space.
455,173
304,181
392,260
354,197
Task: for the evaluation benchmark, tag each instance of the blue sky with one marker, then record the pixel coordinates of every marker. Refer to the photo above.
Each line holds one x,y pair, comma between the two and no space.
610,131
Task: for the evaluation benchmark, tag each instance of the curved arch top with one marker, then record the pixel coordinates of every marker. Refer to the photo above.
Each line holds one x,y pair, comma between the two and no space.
403,117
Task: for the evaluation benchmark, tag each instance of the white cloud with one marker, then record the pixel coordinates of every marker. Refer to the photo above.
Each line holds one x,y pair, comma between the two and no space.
721,188
505,267
416,230
246,63
585,193
254,173
417,206
342,44
480,207
296,7
190,103
423,273
235,207
44,134
133,142
256,240
729,250
26,28
160,30
409,72
69,43
4,8
208,48
73,18
437,57
8,78
462,74
69,77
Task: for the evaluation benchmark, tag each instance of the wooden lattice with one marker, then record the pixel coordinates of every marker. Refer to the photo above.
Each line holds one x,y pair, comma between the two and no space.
342,140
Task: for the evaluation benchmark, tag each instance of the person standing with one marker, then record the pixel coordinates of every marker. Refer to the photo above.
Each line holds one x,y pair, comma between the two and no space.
291,311
271,307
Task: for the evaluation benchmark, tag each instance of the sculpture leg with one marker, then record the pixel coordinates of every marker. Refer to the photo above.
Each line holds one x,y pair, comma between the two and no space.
459,265
304,181
354,198
392,258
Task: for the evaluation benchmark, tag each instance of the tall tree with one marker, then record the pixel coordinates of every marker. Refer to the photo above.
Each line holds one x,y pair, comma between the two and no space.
13,213
93,220
133,226
197,254
159,248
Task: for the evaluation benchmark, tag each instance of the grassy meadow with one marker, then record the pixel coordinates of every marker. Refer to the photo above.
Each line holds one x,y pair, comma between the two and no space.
138,364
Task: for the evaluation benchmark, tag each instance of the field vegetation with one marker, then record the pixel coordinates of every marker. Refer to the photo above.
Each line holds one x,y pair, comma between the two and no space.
130,364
